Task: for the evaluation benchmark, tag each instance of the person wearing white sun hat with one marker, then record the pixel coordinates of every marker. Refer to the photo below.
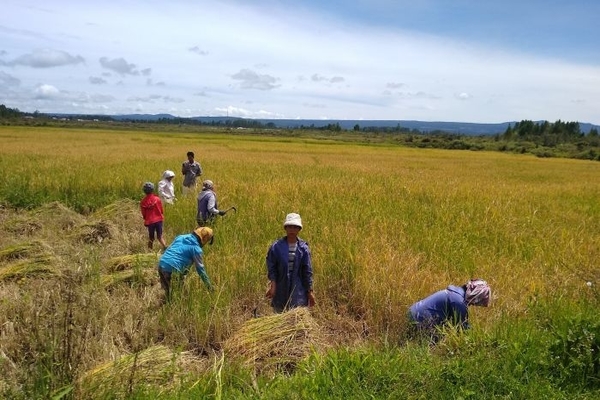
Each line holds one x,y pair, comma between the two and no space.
166,190
289,269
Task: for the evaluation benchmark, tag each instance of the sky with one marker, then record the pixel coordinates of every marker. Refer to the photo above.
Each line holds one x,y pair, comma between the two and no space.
429,60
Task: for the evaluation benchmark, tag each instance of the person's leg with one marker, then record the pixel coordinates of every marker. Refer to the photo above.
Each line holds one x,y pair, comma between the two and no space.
159,234
165,282
151,232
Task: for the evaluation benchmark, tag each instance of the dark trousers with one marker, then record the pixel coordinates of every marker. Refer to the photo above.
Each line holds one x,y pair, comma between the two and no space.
165,281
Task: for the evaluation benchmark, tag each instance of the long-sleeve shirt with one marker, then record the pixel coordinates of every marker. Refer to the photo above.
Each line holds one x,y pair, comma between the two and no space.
446,305
181,254
166,191
152,209
292,282
207,205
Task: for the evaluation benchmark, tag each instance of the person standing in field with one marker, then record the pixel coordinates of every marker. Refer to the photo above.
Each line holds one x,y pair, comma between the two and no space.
289,269
191,170
152,211
447,307
166,190
185,250
207,204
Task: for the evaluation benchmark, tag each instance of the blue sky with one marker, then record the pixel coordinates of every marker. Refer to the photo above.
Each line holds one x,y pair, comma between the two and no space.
431,60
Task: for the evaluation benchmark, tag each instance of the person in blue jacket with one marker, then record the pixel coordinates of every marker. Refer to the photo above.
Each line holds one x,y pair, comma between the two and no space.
289,269
448,306
181,254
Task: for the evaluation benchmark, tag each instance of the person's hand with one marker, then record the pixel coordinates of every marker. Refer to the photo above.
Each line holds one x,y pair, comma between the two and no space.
271,291
311,299
221,213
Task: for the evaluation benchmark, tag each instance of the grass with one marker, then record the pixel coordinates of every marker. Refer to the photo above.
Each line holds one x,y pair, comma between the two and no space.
387,226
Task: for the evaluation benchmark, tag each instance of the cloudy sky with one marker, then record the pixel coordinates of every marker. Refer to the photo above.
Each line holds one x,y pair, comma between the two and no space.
431,60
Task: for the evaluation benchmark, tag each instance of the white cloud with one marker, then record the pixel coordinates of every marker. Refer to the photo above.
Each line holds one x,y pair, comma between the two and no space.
46,58
46,92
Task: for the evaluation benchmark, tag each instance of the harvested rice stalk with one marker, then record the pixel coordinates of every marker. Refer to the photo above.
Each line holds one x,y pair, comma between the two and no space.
155,366
128,276
130,261
95,232
21,250
276,341
41,265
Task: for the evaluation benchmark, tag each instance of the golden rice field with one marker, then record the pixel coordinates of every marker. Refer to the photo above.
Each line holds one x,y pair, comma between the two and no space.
387,226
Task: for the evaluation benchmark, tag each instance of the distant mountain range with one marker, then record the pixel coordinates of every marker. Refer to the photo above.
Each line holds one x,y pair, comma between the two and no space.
459,128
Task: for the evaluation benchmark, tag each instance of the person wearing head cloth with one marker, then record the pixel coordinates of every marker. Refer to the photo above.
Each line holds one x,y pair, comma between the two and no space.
207,204
448,306
166,190
185,250
289,269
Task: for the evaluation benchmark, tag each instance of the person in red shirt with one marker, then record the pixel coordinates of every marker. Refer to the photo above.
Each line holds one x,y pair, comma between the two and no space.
153,214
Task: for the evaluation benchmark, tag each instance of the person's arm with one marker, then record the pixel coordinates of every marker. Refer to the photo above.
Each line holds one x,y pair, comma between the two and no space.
307,276
201,270
183,168
199,170
211,205
271,262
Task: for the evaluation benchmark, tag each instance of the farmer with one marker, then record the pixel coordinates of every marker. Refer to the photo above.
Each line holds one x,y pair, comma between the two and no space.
191,170
289,269
448,306
152,212
166,191
185,250
207,204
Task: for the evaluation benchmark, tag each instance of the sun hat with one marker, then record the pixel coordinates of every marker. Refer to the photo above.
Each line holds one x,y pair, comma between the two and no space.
148,187
293,219
478,293
205,234
208,184
168,174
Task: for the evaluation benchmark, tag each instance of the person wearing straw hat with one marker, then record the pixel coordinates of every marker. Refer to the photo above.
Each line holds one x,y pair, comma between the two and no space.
166,190
185,250
448,306
289,269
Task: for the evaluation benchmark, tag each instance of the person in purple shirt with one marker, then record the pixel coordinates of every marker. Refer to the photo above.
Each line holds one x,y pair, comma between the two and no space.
448,306
289,269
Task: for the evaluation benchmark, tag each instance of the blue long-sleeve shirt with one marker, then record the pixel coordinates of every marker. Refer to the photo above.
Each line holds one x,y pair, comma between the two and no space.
447,305
291,285
181,254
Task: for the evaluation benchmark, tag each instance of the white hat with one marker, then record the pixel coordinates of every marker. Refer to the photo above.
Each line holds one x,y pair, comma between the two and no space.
168,174
293,219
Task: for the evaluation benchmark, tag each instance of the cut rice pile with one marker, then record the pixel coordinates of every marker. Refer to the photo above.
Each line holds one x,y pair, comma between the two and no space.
157,366
130,261
276,342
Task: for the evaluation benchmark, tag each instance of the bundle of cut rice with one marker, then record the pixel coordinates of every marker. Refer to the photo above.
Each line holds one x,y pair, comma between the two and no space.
275,342
95,232
128,276
130,261
39,265
155,366
21,250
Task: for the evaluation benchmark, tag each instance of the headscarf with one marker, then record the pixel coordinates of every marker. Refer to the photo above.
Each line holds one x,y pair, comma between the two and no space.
478,293
208,185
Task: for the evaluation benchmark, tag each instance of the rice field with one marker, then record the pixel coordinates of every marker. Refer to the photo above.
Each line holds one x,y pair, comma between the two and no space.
387,226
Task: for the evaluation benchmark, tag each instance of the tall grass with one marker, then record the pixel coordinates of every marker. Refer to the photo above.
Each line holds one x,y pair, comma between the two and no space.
386,225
